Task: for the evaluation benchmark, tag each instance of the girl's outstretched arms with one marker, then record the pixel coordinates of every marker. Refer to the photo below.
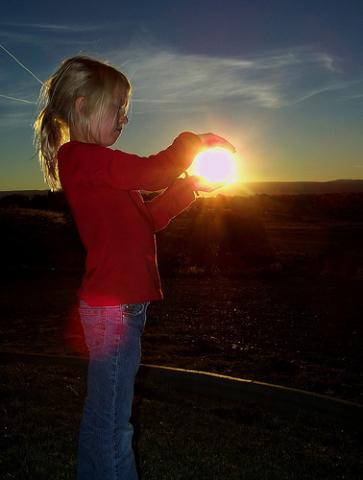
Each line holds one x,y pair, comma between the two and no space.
98,166
104,167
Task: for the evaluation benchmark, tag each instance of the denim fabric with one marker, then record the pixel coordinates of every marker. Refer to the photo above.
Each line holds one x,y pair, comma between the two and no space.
112,335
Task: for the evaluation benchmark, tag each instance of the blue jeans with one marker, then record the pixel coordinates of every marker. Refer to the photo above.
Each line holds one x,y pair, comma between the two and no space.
112,335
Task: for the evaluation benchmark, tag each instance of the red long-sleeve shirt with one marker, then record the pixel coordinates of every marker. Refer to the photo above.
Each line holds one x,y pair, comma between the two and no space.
116,226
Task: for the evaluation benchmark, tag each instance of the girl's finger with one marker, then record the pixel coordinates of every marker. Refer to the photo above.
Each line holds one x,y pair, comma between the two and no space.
213,140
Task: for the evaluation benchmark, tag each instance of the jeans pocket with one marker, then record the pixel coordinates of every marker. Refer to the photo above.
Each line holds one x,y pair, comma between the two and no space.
94,330
134,315
134,309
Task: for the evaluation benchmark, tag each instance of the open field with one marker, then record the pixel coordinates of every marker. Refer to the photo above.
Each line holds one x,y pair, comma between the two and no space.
286,333
292,316
269,292
178,436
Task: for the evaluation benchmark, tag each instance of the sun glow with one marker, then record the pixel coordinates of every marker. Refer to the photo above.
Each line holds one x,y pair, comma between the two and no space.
216,165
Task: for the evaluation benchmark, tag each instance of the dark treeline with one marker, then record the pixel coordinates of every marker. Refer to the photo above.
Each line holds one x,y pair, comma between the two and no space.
303,207
216,234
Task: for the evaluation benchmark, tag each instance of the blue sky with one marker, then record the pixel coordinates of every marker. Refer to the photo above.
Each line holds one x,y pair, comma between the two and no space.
282,80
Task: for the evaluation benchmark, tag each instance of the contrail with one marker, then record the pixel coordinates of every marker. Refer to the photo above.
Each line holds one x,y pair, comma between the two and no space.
21,64
17,99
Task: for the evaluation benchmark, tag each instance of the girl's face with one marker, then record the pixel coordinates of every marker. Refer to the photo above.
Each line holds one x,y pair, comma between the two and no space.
109,127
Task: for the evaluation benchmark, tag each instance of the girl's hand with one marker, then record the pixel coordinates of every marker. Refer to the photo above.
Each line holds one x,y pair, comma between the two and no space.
210,140
202,185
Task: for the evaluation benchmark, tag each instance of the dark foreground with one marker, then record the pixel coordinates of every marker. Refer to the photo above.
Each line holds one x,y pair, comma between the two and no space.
178,436
293,332
266,288
295,319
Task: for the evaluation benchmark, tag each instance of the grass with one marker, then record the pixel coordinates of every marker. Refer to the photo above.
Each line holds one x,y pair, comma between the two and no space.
178,435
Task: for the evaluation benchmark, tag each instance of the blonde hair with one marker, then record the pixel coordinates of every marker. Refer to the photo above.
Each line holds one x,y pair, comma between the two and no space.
78,76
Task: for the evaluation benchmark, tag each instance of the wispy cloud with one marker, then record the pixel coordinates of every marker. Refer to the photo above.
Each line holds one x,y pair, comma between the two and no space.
15,119
24,89
54,27
42,35
355,98
167,79
275,80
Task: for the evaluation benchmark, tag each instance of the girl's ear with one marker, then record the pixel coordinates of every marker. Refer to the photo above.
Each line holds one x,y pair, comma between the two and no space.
79,104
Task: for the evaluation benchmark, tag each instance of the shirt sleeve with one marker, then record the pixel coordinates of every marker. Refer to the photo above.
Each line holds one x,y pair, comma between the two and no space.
116,169
167,205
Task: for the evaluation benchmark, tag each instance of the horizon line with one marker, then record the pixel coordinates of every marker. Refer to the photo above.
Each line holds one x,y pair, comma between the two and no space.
244,183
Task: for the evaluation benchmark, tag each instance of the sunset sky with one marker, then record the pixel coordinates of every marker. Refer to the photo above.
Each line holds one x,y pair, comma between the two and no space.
282,80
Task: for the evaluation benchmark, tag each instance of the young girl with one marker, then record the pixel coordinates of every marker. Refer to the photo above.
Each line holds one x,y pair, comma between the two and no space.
84,111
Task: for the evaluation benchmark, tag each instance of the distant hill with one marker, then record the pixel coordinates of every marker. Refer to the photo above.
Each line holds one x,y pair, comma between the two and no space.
302,188
268,188
28,193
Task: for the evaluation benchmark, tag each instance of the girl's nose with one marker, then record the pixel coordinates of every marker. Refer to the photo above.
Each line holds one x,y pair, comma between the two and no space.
124,120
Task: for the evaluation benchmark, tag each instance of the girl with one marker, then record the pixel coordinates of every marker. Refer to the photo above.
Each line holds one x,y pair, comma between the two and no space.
84,111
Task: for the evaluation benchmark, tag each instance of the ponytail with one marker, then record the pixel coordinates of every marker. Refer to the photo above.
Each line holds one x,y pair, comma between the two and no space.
50,132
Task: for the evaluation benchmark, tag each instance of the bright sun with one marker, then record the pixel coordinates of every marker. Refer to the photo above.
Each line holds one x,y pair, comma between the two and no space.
215,165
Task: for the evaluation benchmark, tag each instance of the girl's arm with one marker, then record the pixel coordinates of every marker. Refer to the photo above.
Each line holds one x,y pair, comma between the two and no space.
167,205
107,167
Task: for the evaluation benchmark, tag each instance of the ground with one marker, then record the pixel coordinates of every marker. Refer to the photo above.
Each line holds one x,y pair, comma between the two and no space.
286,331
